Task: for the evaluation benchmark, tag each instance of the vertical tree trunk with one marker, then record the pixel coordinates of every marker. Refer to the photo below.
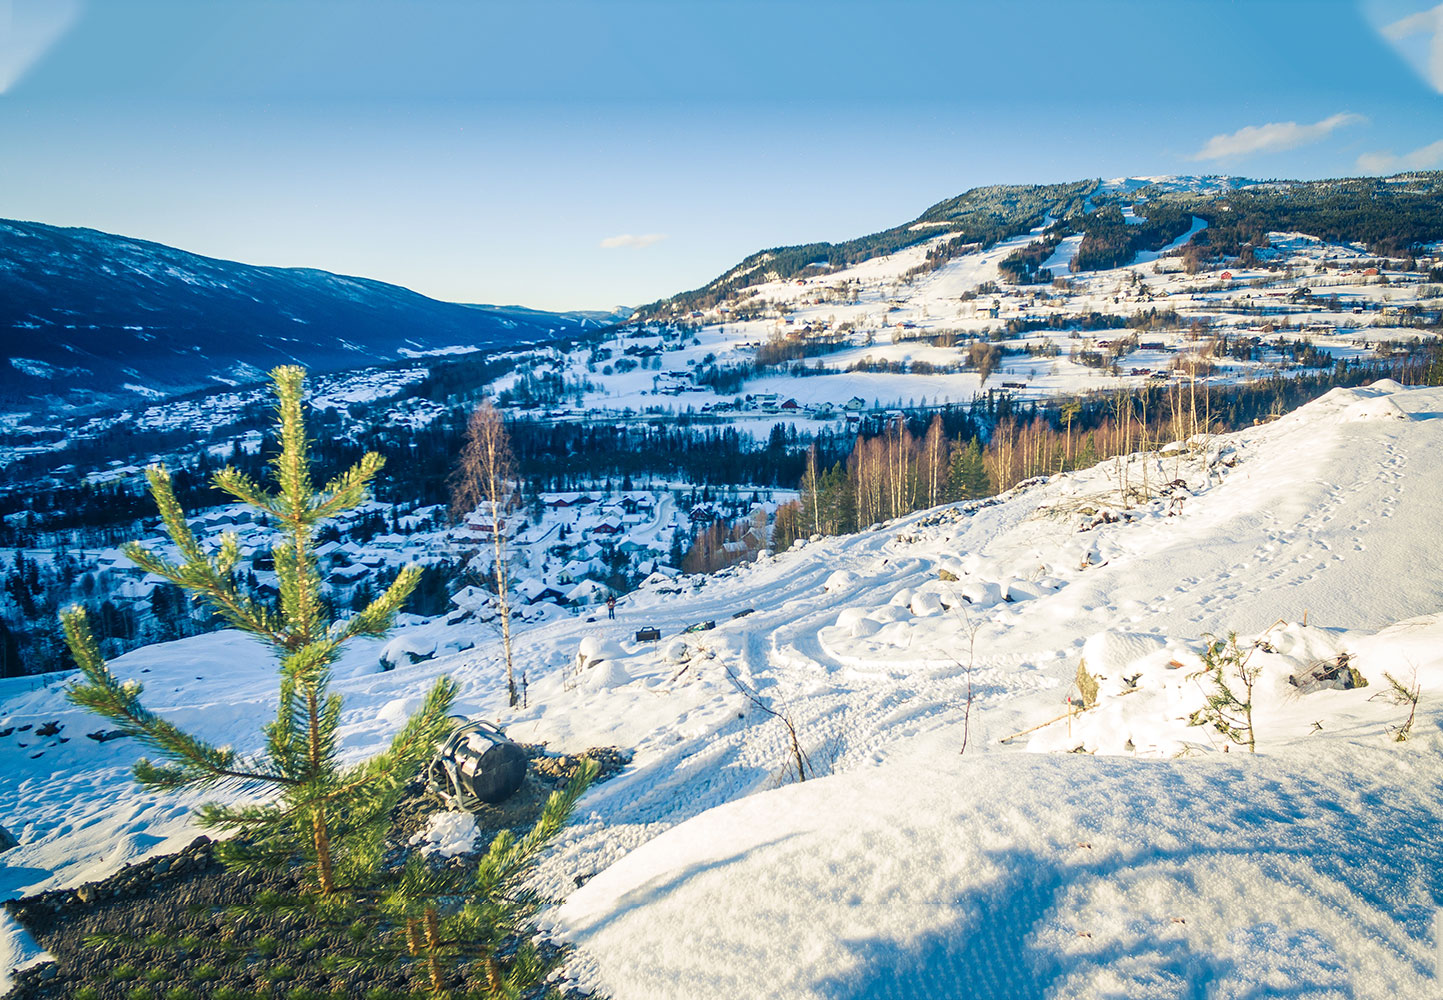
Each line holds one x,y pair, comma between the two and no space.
433,953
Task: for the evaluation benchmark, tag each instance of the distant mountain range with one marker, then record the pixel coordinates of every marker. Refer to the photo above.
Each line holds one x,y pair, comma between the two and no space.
89,319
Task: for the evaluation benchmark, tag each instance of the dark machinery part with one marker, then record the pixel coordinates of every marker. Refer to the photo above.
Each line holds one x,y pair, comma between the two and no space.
476,765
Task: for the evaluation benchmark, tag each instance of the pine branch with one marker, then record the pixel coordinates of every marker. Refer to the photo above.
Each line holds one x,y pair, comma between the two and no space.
376,618
193,761
350,489
246,490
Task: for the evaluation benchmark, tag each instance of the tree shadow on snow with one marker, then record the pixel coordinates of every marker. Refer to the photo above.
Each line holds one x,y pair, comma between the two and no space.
1008,941
993,956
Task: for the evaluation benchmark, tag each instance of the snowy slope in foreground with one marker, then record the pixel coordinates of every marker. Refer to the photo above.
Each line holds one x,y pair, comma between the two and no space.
1004,877
1330,512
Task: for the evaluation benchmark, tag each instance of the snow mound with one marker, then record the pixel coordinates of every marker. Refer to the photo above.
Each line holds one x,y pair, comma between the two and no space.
1023,590
606,675
840,580
850,617
407,649
980,593
1110,654
396,711
1384,386
863,628
890,613
1378,408
593,649
926,604
1377,401
448,834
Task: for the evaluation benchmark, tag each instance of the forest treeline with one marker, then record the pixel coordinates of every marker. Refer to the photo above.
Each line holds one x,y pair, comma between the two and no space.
907,466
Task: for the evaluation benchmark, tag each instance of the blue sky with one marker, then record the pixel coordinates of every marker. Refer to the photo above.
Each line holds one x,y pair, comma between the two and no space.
589,154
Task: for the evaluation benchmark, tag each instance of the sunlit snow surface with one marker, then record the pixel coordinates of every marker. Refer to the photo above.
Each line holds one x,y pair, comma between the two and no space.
1158,867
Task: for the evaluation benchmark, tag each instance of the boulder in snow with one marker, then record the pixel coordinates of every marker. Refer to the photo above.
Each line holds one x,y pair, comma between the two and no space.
890,613
606,675
850,617
406,649
864,628
455,644
980,594
926,604
1023,590
594,649
1326,675
7,840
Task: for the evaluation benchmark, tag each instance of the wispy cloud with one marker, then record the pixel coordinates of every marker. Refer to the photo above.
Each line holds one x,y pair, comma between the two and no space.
1429,24
28,29
1427,157
1274,137
631,242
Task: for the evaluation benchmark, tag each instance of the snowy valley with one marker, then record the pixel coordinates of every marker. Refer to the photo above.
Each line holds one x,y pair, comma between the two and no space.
1037,599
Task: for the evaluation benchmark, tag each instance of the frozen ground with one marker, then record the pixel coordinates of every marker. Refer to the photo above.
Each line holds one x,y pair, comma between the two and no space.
1151,864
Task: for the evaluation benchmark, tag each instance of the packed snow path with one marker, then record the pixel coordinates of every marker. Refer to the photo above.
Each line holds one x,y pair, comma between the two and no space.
870,644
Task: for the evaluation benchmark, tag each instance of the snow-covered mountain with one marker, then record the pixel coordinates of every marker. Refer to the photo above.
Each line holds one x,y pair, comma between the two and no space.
1125,849
89,317
1115,221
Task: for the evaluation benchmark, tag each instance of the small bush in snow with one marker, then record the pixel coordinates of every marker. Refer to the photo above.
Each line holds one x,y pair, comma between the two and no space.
1403,694
1229,707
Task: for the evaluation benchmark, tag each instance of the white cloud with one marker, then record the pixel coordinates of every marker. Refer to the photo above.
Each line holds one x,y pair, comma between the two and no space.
1426,57
1429,157
632,242
1274,137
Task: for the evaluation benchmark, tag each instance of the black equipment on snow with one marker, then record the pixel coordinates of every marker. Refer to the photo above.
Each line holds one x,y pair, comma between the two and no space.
476,765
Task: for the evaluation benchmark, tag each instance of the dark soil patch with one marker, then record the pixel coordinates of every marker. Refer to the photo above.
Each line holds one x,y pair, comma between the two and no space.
171,933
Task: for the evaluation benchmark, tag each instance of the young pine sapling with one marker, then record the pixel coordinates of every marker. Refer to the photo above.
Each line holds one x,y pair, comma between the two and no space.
326,817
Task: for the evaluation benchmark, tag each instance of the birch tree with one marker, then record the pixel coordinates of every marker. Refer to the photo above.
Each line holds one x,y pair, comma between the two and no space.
482,480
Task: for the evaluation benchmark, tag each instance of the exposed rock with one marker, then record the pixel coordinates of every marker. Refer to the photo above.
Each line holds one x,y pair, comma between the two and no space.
1328,675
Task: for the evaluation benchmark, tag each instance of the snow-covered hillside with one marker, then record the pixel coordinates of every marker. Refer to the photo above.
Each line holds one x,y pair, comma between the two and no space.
94,321
1156,857
894,331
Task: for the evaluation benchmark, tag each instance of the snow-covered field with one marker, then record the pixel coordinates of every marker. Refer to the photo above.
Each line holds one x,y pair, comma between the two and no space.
1157,860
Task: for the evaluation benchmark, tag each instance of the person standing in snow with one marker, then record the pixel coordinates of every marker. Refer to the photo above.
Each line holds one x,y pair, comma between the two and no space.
611,607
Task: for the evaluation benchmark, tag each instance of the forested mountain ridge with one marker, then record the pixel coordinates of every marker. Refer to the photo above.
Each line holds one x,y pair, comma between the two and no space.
1389,215
982,215
93,318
